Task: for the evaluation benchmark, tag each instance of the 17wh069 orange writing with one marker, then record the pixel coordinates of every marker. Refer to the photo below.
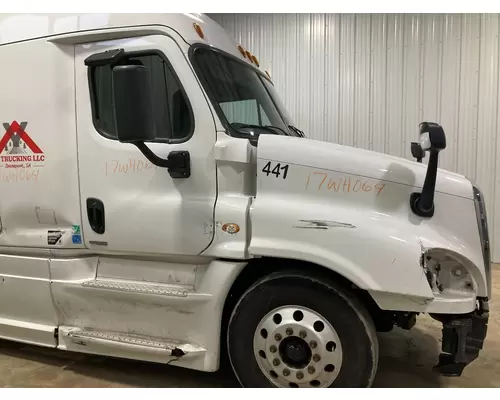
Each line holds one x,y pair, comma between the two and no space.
344,184
114,167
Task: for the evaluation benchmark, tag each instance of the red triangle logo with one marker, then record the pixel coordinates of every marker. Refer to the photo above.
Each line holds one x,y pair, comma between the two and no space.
18,129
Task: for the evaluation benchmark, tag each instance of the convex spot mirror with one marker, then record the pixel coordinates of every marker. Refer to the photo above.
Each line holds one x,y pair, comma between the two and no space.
133,104
432,137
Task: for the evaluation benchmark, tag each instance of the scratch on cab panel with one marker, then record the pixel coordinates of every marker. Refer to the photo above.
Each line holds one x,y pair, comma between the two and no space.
311,224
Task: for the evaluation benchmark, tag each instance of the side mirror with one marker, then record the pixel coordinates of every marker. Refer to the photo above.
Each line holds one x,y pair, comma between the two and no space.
135,121
133,104
432,137
433,140
133,109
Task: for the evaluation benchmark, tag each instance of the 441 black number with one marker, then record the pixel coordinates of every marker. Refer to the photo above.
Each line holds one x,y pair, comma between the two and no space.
276,170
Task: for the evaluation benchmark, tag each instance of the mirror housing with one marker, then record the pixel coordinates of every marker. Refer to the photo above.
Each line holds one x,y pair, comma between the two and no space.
433,140
432,137
134,119
133,104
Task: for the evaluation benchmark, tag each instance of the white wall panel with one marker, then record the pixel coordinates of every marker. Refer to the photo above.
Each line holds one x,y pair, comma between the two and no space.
369,80
412,79
469,92
487,110
450,88
362,79
394,95
303,78
378,84
316,91
331,107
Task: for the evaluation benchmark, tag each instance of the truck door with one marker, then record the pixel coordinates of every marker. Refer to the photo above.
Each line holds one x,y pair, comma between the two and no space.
128,204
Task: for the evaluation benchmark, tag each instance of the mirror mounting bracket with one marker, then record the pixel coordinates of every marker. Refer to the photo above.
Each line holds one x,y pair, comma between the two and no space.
422,204
178,163
417,151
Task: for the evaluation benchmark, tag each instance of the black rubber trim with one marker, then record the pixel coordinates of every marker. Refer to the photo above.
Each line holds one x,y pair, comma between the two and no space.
414,199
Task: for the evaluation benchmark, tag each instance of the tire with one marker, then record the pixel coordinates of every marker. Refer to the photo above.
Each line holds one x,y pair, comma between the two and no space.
337,306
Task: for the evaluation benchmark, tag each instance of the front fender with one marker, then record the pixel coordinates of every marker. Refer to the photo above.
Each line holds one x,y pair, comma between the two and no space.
370,253
361,227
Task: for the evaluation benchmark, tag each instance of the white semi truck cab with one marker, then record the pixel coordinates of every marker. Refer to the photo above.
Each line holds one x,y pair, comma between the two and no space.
158,203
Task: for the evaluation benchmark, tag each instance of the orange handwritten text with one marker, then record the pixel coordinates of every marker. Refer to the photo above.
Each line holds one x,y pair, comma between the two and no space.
321,181
114,167
14,175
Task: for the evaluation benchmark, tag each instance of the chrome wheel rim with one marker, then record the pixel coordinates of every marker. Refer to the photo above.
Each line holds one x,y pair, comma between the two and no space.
297,347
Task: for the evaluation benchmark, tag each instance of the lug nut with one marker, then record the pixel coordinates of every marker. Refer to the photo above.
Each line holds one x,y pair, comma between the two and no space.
273,349
289,331
302,334
311,370
300,375
286,372
316,357
276,362
277,337
313,344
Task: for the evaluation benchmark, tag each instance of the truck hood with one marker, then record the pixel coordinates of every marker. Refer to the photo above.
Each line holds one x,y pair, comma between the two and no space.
358,162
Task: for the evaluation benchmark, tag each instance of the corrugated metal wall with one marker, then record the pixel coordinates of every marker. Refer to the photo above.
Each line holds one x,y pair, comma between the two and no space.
368,81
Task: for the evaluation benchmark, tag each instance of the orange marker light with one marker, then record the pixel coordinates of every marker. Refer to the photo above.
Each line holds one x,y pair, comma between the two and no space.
198,30
255,60
249,56
242,50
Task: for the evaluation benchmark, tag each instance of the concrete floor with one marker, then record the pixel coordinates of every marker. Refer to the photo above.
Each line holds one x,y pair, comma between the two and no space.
406,359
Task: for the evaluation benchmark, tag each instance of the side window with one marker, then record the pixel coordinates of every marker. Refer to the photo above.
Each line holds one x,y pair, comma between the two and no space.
172,112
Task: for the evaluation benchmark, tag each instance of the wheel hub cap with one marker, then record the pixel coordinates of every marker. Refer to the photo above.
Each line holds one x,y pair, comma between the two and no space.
295,352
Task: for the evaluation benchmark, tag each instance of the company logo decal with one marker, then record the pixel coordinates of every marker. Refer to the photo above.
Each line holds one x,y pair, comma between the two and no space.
17,148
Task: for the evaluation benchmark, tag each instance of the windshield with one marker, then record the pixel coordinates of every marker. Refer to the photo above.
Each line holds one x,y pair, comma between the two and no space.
247,100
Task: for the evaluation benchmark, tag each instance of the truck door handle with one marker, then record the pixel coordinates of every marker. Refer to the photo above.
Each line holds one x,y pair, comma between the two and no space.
95,213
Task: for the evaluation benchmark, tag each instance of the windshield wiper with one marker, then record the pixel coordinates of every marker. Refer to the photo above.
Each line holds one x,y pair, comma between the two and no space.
297,131
269,128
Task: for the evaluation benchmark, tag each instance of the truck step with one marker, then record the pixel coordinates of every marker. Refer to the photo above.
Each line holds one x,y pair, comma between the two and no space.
139,287
121,344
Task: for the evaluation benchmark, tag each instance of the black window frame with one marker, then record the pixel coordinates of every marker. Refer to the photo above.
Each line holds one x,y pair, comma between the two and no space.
138,53
230,130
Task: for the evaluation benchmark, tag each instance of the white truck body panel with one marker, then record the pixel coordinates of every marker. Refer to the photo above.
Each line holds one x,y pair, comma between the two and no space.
353,204
154,284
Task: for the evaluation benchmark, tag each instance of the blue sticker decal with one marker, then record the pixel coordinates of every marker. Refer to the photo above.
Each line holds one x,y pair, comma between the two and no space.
77,239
